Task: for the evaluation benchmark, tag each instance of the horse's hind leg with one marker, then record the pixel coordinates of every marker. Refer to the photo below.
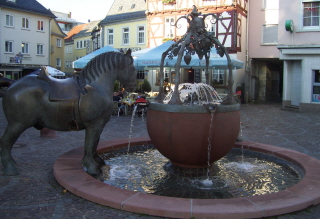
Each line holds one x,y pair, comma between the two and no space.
9,137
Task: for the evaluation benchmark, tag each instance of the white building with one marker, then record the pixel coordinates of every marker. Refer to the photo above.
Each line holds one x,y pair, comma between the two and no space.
24,36
299,46
284,53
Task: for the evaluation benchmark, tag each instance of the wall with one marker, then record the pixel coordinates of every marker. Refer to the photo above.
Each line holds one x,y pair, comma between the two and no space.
133,33
19,35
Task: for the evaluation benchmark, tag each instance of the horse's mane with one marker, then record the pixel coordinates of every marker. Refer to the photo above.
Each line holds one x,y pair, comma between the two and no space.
102,64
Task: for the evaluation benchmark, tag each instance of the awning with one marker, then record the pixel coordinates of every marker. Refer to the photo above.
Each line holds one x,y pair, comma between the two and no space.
152,58
82,62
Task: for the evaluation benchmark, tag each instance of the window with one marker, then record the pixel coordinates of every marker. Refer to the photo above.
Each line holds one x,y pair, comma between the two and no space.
133,6
58,62
140,75
59,42
120,8
80,45
25,23
84,44
141,35
40,49
125,36
218,77
169,30
9,46
25,48
311,16
270,4
110,37
9,20
316,86
211,27
70,49
40,26
77,45
270,34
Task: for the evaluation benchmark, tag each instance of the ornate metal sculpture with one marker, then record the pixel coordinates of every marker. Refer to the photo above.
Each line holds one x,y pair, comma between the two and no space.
195,40
80,102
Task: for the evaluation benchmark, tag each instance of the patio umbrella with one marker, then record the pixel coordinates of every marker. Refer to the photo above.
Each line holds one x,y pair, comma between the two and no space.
80,63
152,58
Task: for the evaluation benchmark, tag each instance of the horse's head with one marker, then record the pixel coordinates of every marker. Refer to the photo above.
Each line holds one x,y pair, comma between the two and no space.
128,76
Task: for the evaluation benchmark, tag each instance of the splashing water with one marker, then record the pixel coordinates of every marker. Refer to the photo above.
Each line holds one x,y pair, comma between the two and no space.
197,93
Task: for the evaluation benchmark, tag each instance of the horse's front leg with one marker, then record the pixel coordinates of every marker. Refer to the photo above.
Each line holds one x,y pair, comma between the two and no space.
10,136
91,160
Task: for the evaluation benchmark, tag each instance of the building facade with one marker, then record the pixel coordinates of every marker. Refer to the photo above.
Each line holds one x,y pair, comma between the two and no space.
57,46
230,28
69,48
284,53
25,28
125,26
299,48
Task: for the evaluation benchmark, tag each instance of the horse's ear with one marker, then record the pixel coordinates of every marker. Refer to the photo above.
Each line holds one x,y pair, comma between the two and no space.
128,53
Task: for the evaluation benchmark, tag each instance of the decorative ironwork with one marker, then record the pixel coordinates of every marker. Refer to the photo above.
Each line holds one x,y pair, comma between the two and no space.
196,40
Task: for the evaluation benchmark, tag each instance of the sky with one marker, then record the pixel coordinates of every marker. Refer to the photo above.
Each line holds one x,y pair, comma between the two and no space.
81,10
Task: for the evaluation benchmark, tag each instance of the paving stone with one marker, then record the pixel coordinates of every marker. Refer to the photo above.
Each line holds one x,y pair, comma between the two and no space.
36,194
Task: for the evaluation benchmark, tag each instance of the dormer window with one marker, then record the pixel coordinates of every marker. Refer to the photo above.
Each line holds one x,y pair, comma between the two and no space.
120,8
133,6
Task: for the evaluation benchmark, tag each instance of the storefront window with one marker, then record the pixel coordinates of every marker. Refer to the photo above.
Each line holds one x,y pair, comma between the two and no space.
316,86
218,77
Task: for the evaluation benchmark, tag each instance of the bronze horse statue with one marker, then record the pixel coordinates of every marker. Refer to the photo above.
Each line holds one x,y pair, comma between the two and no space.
76,103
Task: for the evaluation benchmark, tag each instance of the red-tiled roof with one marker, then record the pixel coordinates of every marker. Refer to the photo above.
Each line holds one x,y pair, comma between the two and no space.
74,30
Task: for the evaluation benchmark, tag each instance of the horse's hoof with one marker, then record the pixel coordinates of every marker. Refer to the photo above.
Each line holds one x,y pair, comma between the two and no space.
95,173
99,161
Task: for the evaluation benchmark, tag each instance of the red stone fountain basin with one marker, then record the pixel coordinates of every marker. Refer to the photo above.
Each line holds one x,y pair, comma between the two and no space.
70,174
181,133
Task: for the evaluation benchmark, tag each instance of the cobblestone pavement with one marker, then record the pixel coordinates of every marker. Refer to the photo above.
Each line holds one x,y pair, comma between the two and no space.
36,194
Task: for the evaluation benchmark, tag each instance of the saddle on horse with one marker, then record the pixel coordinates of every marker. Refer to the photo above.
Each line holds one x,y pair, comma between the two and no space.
62,89
66,90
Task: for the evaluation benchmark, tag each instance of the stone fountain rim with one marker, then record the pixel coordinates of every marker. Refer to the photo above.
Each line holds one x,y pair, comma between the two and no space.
175,108
69,173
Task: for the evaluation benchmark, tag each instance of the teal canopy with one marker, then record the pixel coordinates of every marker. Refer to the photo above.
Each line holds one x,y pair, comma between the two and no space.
152,58
80,63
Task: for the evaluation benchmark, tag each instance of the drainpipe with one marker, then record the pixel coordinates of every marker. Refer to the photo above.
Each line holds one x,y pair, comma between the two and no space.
248,65
49,50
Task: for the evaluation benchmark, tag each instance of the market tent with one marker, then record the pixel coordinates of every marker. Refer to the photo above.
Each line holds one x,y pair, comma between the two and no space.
82,62
138,53
152,58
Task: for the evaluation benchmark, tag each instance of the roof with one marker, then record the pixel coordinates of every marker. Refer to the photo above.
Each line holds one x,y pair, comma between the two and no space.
123,17
86,30
31,6
121,6
73,31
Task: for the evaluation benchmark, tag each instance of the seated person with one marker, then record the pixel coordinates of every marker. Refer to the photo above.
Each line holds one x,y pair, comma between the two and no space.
117,98
141,104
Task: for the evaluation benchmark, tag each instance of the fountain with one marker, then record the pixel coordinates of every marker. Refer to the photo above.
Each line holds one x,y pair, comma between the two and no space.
173,115
192,132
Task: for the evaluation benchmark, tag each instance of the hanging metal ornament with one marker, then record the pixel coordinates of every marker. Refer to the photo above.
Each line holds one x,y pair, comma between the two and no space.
187,58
